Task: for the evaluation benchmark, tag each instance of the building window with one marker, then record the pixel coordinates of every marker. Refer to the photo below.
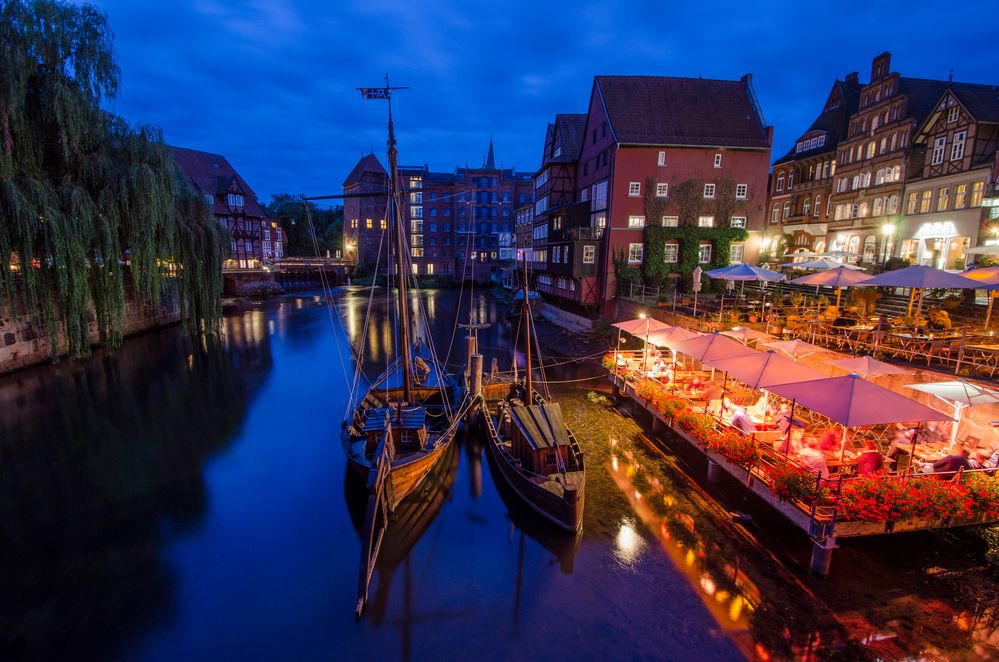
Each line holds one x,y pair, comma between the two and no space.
636,221
635,189
741,191
806,206
670,221
705,221
704,253
952,114
818,206
709,191
589,253
736,253
717,160
870,246
893,204
635,253
775,214
957,149
976,194
367,223
235,200
780,182
672,253
911,207
960,197
870,149
738,222
938,150
662,158
662,190
383,224
787,209
248,246
924,202
943,198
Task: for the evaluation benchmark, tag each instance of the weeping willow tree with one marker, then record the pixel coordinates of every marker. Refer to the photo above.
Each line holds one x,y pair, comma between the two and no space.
86,198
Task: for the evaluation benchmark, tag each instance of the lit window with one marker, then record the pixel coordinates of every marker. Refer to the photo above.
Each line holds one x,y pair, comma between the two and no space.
383,224
634,189
960,198
775,214
670,221
662,190
976,193
635,253
957,149
717,160
738,222
818,205
367,223
911,208
938,150
943,198
636,221
924,202
589,253
235,200
736,253
705,221
662,158
741,191
704,253
672,253
780,182
709,191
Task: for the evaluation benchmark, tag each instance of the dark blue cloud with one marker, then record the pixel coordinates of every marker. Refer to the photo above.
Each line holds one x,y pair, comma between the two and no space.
271,84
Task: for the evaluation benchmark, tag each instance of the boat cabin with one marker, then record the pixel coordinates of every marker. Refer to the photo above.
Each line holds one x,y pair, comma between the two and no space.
408,427
539,438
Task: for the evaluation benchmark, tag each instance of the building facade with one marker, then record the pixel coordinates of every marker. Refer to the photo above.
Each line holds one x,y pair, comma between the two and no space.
460,224
685,155
800,204
255,239
950,196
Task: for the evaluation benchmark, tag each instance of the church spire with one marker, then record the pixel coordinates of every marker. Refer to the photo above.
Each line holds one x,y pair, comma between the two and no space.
490,158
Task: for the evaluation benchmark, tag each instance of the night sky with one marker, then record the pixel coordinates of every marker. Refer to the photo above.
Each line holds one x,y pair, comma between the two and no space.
271,84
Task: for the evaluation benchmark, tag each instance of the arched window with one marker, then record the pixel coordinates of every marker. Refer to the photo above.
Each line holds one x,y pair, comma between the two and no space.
878,209
870,246
879,176
864,209
893,204
855,182
820,246
854,210
775,214
883,146
787,209
896,173
853,246
818,205
870,150
865,180
806,206
874,124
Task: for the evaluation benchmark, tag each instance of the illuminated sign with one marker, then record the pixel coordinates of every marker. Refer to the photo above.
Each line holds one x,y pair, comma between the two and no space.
941,230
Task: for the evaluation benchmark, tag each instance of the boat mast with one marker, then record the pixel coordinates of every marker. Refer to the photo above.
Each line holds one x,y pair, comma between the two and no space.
400,247
526,314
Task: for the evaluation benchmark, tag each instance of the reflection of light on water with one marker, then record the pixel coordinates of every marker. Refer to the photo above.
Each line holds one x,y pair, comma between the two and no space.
614,462
629,543
270,327
735,607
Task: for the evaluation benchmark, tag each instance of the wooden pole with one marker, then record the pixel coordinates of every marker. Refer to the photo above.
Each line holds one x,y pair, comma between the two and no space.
400,260
526,313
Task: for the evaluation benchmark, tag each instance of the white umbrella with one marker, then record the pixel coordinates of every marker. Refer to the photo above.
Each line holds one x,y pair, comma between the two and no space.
744,334
640,327
838,277
988,278
961,395
796,349
868,367
821,263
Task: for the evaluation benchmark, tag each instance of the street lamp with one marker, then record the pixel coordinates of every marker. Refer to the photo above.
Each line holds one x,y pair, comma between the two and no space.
888,229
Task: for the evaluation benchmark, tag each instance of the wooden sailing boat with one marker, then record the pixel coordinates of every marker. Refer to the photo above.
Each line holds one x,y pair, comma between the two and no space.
407,419
533,449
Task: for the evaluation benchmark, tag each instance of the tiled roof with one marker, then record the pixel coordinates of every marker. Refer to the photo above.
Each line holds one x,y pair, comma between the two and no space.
367,163
982,101
570,127
658,110
833,120
212,174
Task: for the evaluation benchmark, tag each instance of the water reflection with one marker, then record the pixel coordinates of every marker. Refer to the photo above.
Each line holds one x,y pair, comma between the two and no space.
99,462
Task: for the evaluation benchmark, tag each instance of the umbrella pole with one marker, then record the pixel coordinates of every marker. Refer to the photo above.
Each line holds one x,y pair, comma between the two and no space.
645,357
766,318
790,429
988,311
957,422
960,352
912,297
839,293
672,374
919,305
617,368
912,452
842,448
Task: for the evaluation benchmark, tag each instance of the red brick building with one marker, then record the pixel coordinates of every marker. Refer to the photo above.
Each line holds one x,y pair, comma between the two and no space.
365,210
256,240
679,134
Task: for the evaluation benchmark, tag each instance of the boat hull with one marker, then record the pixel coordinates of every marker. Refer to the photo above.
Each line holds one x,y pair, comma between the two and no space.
565,511
408,471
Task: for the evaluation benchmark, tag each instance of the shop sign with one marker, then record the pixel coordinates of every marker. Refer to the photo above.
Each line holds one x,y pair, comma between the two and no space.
940,230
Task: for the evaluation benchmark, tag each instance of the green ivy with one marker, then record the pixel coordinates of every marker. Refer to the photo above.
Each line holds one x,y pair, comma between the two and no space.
655,268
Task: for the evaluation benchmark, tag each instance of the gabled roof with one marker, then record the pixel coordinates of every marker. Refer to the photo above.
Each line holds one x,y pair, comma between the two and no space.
842,102
367,163
570,129
212,174
923,95
542,425
660,110
982,101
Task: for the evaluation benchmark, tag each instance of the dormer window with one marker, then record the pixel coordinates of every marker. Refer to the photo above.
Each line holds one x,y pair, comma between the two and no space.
236,200
952,114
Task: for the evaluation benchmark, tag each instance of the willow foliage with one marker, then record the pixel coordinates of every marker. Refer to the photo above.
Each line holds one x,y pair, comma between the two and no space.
84,196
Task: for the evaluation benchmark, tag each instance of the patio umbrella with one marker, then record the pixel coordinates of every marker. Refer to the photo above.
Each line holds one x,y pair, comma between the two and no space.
821,263
868,367
745,272
640,327
712,347
920,277
796,349
765,369
961,395
804,254
852,401
839,278
744,334
669,337
988,278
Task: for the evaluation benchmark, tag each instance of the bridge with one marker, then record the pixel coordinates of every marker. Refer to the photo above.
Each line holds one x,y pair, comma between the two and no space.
292,273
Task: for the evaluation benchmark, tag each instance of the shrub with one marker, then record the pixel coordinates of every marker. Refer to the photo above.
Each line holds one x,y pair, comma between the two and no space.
791,482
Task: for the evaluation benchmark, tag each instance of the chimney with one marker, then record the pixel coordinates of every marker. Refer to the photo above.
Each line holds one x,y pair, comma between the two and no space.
852,78
880,66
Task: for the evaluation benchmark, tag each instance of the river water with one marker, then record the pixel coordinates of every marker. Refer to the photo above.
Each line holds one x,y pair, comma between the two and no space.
188,498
